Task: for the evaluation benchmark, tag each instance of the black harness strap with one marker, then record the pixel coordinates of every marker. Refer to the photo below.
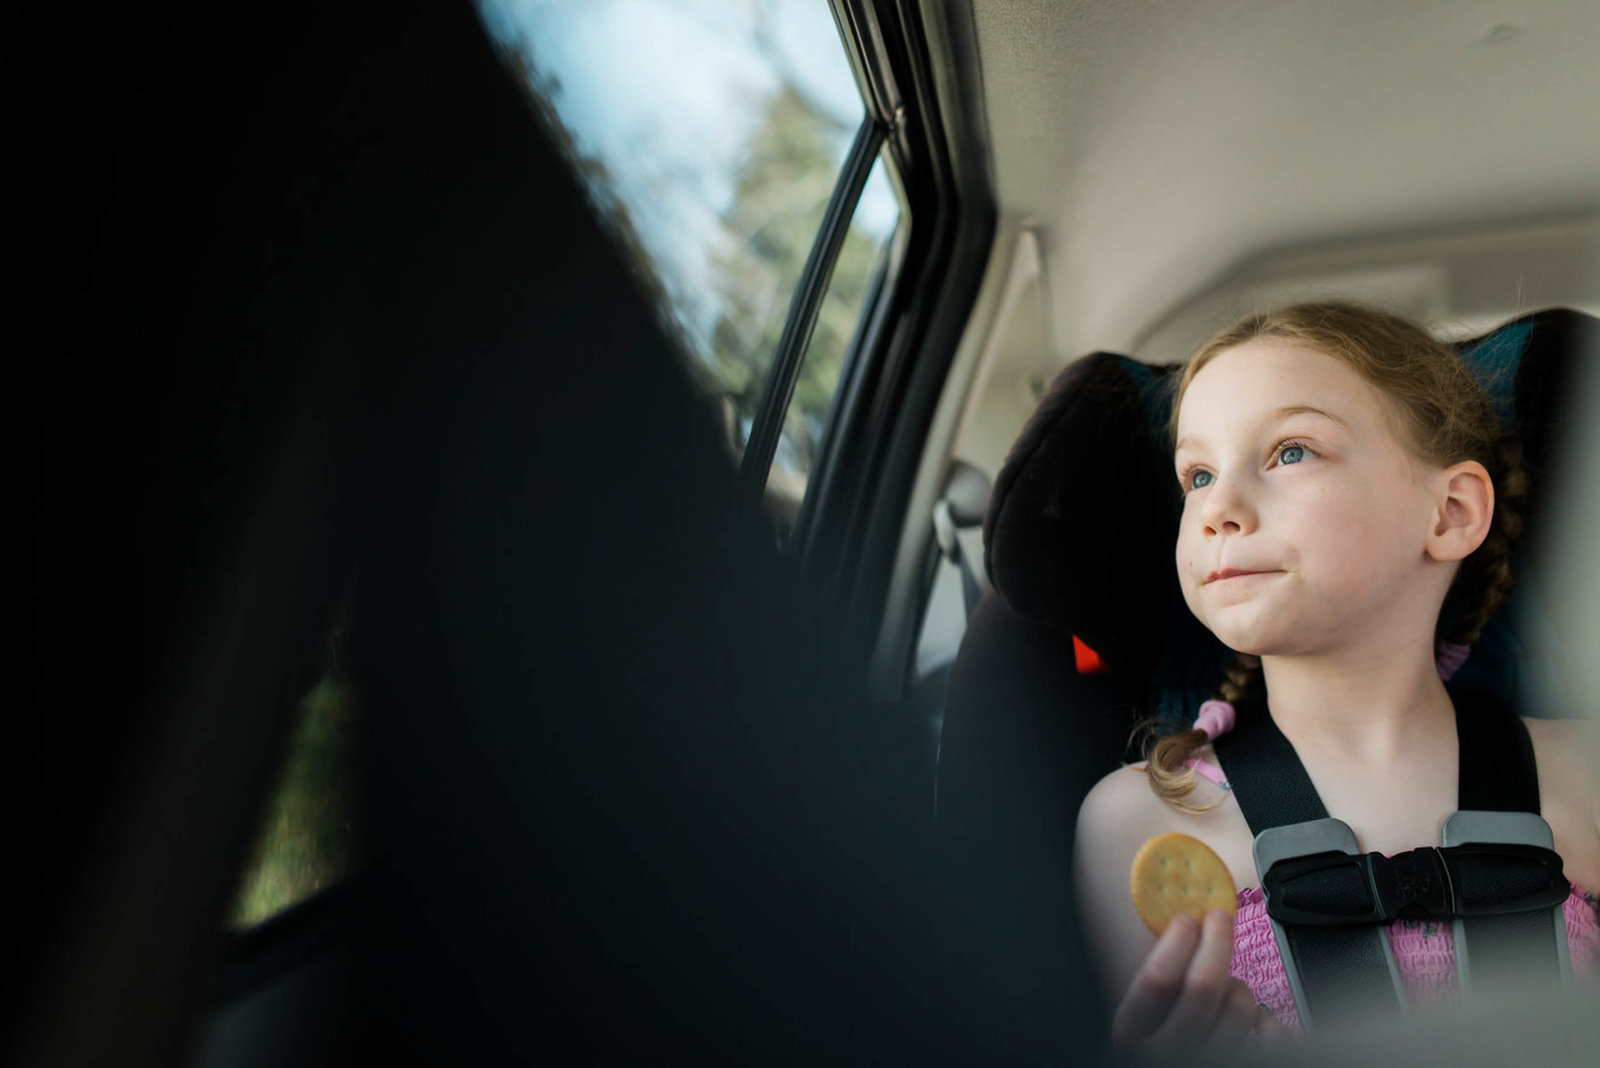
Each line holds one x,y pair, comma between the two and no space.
1498,771
1499,774
1271,786
1341,964
1342,970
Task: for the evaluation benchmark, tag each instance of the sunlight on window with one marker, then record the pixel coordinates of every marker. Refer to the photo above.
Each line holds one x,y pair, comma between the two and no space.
308,841
862,256
711,136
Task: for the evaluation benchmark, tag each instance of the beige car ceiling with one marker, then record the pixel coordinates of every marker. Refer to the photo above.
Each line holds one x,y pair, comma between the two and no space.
1172,155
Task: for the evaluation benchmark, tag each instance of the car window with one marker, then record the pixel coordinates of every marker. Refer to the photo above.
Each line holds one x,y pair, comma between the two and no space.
712,137
308,834
863,260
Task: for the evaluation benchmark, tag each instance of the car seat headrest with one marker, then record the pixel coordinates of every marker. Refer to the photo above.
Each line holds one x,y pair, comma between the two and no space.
1083,516
966,490
1081,521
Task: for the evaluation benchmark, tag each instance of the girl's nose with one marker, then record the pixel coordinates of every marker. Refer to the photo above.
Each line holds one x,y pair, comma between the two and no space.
1227,510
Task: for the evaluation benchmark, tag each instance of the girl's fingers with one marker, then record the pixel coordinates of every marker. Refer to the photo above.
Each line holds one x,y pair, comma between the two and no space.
1237,1018
1159,983
1268,1028
1207,987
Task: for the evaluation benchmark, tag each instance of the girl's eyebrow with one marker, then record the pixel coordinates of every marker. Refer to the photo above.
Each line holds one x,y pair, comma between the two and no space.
1306,409
1278,415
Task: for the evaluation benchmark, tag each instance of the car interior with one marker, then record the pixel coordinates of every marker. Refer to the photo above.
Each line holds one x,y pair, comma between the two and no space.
729,599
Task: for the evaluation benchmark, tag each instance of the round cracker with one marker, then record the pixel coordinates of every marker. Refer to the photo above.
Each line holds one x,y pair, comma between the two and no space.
1176,874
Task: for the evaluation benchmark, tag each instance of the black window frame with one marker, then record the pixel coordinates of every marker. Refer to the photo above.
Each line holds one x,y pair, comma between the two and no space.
806,304
848,530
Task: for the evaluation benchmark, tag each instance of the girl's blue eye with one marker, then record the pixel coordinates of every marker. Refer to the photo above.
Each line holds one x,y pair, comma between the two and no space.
1292,454
1199,479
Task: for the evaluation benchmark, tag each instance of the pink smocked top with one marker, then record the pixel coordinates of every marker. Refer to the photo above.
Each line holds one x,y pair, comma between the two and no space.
1424,951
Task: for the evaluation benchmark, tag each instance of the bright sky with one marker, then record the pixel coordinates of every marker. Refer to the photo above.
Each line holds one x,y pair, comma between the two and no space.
668,92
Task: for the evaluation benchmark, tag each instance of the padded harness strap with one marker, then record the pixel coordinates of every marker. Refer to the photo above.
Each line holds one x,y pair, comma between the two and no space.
1337,954
1499,774
1341,969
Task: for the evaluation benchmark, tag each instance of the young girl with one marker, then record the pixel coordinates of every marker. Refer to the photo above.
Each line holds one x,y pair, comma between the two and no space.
1339,470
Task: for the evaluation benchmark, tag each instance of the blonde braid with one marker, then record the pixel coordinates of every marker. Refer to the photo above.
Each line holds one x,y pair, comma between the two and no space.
1169,778
1241,677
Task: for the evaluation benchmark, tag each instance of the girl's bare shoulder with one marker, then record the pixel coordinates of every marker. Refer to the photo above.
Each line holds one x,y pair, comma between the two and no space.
1122,794
1569,793
1584,730
1123,808
1122,812
1124,801
1566,751
1115,819
1118,816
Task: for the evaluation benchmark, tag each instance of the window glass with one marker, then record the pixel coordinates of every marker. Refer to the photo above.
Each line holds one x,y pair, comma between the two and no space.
308,838
711,136
862,257
944,621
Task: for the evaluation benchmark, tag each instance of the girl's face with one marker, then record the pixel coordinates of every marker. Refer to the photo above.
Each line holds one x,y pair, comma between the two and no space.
1305,517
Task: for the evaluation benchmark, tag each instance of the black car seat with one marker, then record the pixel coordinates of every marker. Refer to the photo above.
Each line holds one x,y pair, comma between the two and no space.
1086,633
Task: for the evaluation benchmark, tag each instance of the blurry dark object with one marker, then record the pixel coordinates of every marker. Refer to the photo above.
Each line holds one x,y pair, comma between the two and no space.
323,294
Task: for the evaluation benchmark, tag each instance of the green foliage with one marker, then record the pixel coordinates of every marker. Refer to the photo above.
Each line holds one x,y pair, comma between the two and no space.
308,841
837,321
781,191
780,196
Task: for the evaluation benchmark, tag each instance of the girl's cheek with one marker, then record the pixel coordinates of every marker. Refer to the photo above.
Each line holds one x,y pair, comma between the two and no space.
1183,552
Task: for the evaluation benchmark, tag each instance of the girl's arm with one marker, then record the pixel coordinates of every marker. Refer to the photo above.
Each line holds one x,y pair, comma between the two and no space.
1117,817
1174,994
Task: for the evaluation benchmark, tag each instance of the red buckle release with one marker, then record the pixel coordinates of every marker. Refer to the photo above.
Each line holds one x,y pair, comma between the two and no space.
1087,660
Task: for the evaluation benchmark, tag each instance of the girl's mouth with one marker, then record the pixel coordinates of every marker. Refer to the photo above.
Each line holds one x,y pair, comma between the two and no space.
1231,572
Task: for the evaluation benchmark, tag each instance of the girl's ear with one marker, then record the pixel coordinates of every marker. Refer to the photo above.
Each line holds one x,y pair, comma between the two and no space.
1464,511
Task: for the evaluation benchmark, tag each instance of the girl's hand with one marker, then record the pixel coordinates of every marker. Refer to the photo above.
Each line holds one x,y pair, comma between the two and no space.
1183,999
